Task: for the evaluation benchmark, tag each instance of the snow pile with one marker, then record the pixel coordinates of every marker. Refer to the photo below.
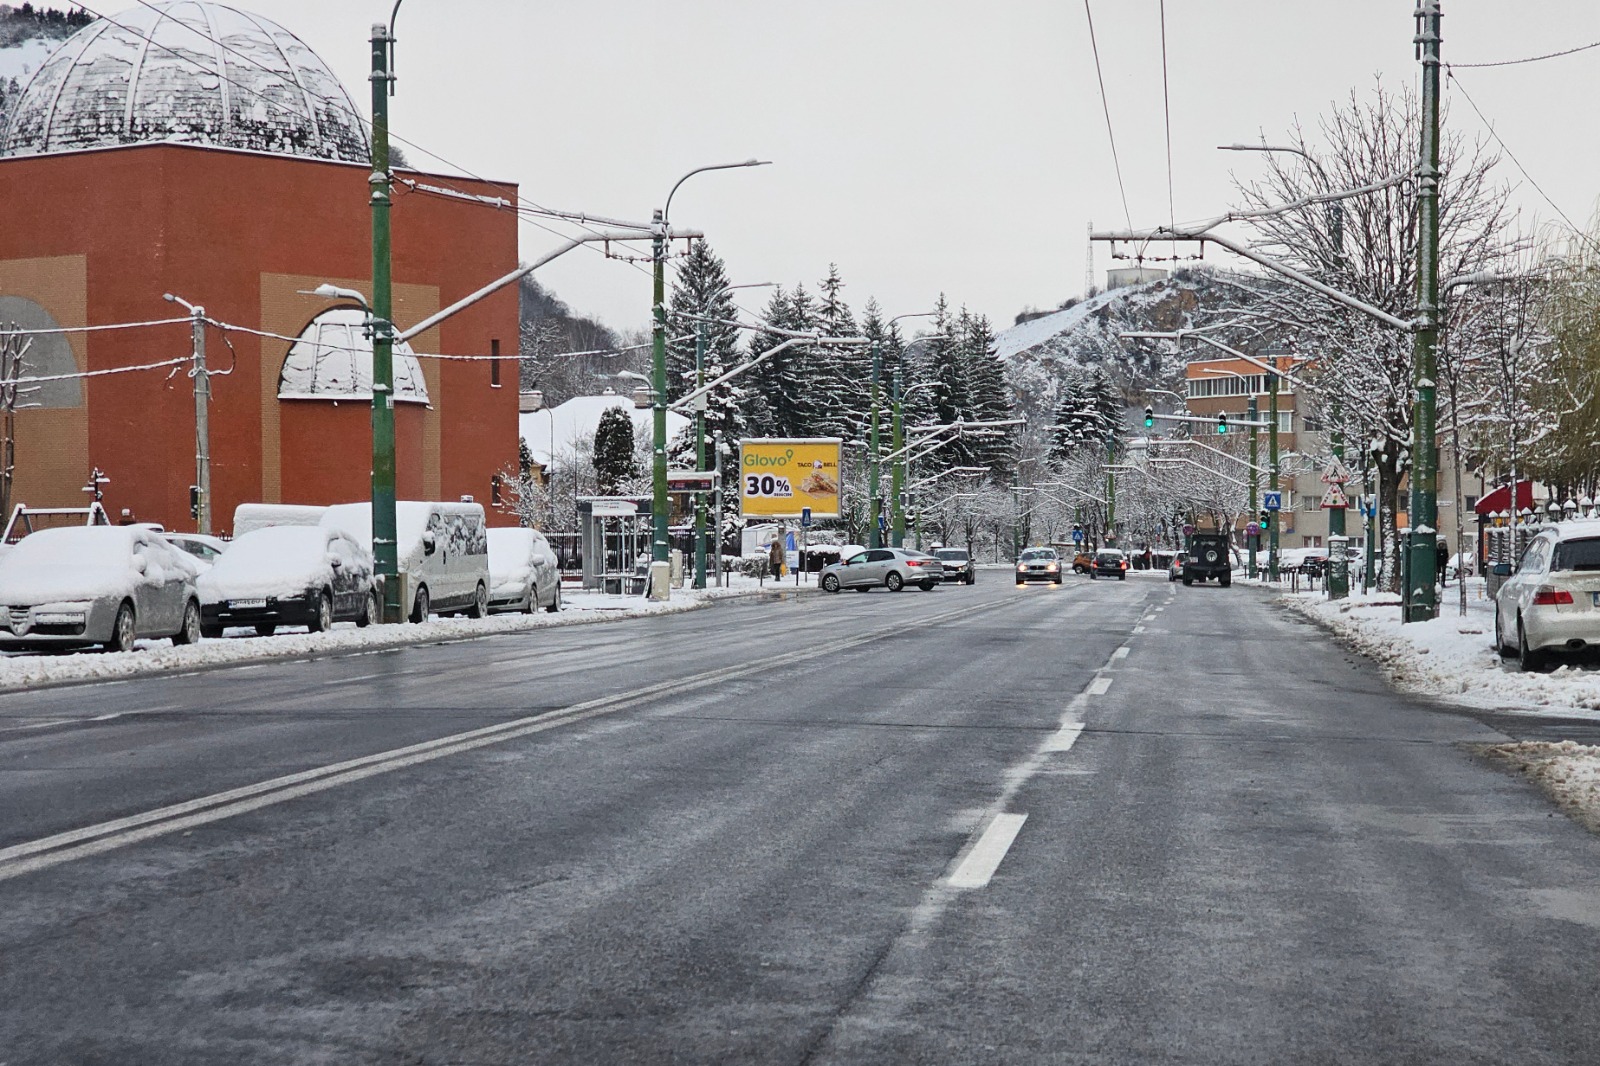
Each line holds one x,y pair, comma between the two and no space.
159,657
1450,657
1568,772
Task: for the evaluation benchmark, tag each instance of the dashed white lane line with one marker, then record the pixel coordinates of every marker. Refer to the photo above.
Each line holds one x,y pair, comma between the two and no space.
1101,686
985,856
1063,739
1120,653
1138,629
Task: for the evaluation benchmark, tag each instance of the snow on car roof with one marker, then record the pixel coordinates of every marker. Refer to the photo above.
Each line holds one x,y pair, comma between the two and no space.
74,545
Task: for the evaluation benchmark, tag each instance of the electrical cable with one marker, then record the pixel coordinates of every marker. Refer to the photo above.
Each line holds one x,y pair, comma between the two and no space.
96,373
1529,59
96,329
1106,107
1166,109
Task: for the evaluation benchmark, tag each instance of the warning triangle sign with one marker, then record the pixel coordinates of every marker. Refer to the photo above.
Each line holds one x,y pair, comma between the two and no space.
1334,499
1336,474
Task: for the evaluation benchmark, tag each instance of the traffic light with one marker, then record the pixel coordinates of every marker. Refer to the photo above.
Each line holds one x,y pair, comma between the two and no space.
1266,521
1149,417
1222,423
194,502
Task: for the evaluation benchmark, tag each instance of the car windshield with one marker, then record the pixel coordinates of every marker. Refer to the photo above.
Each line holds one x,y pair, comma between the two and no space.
954,555
1109,557
1578,554
1038,555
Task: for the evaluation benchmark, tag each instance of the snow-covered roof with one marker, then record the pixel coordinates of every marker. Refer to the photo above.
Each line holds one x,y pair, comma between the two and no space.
187,71
561,429
332,360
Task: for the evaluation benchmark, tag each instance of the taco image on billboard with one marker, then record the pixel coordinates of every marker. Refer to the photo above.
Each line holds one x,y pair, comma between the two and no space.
819,483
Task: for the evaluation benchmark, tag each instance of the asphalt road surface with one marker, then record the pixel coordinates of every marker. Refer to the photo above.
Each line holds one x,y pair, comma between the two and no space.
1102,823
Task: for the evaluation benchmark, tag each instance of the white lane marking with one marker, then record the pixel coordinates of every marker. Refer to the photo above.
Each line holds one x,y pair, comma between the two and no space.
980,863
1063,739
1120,653
50,851
1101,686
1160,609
1138,629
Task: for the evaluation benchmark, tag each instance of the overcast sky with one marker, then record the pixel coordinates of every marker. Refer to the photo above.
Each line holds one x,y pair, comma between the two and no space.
923,145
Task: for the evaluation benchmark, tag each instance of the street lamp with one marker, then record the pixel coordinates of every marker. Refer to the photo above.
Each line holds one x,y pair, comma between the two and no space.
659,587
1335,208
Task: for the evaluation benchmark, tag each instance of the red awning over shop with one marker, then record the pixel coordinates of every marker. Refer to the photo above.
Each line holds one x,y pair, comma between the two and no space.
1500,499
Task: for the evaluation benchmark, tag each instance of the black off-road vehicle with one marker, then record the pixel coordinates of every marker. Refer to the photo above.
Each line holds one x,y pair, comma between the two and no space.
1207,557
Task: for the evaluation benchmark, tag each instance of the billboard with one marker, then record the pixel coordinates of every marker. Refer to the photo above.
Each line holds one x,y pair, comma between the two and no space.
779,477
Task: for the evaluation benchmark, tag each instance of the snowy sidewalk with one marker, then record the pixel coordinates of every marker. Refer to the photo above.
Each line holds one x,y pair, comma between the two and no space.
28,670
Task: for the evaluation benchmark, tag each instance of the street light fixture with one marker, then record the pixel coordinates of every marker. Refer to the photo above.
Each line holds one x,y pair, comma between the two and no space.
660,588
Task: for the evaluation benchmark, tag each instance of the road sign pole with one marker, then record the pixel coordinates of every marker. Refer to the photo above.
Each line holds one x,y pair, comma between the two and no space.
700,458
1255,481
1272,450
874,506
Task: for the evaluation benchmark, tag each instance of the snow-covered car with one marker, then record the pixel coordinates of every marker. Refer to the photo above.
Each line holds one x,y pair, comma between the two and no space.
522,571
289,575
203,548
1552,602
110,585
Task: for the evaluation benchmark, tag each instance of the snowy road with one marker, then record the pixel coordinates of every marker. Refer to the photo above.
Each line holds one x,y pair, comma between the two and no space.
975,826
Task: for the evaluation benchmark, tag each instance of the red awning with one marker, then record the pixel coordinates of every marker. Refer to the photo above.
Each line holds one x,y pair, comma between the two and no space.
1500,499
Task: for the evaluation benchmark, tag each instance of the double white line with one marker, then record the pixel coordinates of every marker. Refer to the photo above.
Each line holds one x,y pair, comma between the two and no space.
20,859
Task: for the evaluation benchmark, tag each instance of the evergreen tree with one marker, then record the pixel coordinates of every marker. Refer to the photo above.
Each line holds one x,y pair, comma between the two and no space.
806,400
699,292
1088,414
614,461
840,372
988,394
776,379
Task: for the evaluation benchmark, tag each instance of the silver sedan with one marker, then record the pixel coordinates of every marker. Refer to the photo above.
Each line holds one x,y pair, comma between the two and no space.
890,568
74,587
1552,603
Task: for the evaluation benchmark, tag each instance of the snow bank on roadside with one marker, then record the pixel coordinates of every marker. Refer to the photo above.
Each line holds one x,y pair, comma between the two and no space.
23,671
1450,657
1568,772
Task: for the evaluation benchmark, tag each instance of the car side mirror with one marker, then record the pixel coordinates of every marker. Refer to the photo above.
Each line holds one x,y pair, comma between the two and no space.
1502,569
429,543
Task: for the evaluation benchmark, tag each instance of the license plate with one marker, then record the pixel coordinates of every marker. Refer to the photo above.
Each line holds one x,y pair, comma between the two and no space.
245,604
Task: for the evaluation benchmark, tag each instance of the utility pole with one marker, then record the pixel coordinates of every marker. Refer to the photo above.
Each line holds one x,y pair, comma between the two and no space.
1111,491
1423,601
874,505
385,557
658,385
1255,480
1338,581
897,472
700,457
1272,461
201,492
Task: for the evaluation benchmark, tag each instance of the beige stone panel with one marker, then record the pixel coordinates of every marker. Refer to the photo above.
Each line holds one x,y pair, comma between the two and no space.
53,445
284,311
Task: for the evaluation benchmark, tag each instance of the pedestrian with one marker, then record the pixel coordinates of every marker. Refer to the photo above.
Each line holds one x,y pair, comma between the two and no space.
1442,556
775,555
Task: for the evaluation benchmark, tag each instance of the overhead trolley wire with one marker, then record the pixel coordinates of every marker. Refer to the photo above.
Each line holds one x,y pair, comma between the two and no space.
1106,107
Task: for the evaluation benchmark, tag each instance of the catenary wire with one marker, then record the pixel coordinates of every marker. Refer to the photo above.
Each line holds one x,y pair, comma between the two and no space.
1106,107
1529,59
1166,110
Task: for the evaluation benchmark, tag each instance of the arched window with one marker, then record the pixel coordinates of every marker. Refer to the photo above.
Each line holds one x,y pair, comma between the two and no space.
332,360
49,355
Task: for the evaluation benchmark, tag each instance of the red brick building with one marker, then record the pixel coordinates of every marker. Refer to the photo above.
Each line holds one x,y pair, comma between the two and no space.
108,207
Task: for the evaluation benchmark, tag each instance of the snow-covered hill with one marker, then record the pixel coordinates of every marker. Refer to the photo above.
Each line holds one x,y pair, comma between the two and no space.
1041,352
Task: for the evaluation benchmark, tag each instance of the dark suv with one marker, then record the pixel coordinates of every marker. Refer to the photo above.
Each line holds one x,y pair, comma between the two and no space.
1206,557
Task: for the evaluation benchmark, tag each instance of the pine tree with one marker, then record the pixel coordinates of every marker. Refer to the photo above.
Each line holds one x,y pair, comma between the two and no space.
840,372
700,292
1088,414
776,378
614,461
989,395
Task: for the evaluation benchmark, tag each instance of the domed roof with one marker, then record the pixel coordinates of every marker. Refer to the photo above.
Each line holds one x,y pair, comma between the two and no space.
332,360
191,72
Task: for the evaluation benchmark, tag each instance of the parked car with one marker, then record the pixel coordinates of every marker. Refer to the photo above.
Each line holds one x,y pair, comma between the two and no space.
958,565
86,585
1552,602
203,548
1039,564
443,551
1208,557
1110,562
892,568
522,572
1175,568
289,575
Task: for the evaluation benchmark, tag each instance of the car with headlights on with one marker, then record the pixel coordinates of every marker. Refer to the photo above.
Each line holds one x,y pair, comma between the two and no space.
1110,562
73,587
890,568
310,576
522,571
959,566
1551,604
1039,564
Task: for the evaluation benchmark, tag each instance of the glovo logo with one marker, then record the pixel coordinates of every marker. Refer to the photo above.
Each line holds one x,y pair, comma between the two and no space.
754,459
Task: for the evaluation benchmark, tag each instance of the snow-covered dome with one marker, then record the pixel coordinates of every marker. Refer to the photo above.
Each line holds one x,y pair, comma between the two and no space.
191,72
332,360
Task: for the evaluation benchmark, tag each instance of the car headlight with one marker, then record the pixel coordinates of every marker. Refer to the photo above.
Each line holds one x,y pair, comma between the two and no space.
1053,566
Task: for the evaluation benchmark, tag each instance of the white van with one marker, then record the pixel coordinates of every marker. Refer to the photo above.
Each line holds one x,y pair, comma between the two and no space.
443,551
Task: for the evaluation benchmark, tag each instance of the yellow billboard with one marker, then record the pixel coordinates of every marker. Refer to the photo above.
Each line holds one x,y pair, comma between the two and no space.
777,478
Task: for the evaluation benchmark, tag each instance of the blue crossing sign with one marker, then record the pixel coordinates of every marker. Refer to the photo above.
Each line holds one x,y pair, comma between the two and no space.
1272,501
1077,536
